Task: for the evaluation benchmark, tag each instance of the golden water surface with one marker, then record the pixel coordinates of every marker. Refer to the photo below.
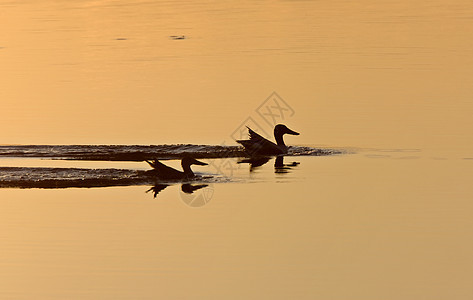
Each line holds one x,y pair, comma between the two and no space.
392,80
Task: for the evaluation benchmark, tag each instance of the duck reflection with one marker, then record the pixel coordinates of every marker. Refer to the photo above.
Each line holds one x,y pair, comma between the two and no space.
190,188
255,162
157,188
280,167
185,187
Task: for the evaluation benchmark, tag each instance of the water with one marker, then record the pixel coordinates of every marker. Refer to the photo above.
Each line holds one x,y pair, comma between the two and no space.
388,83
349,223
141,153
33,175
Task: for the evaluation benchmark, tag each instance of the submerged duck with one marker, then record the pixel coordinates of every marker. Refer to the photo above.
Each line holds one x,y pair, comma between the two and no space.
258,145
162,171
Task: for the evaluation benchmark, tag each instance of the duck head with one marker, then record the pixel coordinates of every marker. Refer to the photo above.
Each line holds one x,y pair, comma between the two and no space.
281,130
186,165
187,161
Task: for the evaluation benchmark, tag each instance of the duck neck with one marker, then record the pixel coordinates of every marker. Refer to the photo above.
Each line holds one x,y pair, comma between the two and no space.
279,140
187,170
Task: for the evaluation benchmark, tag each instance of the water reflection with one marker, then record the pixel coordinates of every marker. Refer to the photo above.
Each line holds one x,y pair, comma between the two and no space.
190,188
187,188
157,188
279,165
198,199
255,162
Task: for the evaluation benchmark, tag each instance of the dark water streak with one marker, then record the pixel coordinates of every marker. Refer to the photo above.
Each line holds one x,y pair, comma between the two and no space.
140,152
21,177
46,177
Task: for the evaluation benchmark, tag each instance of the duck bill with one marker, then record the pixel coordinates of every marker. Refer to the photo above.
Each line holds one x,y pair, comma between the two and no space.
196,162
289,131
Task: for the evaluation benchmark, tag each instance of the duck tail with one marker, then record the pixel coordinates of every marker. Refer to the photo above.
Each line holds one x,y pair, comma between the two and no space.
152,163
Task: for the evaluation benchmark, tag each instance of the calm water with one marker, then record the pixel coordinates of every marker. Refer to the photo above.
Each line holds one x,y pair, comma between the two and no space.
369,222
390,81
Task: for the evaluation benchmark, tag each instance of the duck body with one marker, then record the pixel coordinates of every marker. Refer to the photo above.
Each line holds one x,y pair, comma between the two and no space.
162,171
258,145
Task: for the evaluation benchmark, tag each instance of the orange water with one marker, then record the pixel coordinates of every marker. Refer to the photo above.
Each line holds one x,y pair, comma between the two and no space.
392,79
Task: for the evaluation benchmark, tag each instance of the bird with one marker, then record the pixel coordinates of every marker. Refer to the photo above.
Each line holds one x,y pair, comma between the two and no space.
258,145
162,171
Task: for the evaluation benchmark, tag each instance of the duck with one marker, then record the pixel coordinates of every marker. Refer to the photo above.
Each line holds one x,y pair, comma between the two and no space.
258,145
162,171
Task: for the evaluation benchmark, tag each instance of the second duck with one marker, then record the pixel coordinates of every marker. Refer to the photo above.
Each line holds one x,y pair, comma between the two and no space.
162,171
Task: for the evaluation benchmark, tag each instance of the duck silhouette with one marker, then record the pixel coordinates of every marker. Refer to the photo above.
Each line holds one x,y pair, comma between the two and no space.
258,145
162,171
